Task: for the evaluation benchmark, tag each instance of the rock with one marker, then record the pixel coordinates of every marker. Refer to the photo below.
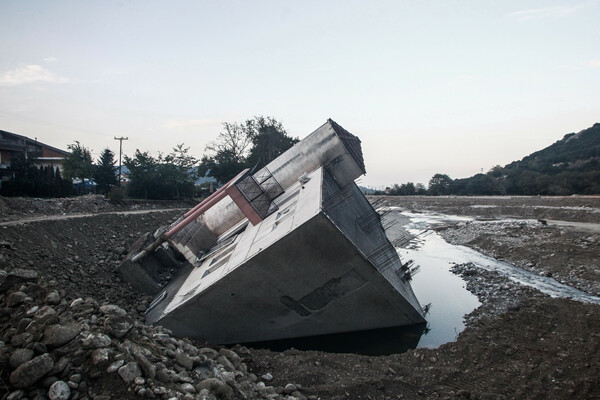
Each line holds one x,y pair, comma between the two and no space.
216,387
60,365
21,340
148,368
112,309
77,302
115,366
15,299
231,356
45,314
163,376
184,360
16,395
208,352
188,388
32,311
226,363
59,335
28,373
118,325
267,377
100,356
96,340
121,251
59,390
130,371
16,276
53,298
290,388
18,357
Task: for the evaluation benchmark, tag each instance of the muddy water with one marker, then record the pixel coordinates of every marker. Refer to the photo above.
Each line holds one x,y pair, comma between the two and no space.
446,292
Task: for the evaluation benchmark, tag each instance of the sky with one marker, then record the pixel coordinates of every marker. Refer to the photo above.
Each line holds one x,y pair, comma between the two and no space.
452,87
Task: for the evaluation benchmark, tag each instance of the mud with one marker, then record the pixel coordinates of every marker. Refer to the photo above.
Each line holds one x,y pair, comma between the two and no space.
518,344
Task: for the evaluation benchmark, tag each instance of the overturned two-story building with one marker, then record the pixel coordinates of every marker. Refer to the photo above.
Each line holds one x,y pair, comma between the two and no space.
293,249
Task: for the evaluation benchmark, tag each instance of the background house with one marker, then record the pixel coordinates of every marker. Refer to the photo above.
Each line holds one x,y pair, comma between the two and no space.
39,153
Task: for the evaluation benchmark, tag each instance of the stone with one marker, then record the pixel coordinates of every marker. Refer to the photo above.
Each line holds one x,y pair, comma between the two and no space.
23,324
96,340
267,377
290,388
16,395
184,360
112,309
52,298
19,356
226,363
60,365
163,376
39,348
148,368
59,335
15,299
77,302
32,311
115,366
21,340
231,356
31,371
188,388
59,390
100,356
130,371
216,387
16,276
45,314
208,352
118,325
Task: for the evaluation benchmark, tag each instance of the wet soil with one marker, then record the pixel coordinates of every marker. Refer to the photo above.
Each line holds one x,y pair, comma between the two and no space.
518,344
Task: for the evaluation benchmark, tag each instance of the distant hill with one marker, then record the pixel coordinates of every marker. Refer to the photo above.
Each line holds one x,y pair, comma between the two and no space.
569,166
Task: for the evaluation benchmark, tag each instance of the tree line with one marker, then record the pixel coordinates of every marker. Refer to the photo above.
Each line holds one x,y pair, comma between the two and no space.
255,142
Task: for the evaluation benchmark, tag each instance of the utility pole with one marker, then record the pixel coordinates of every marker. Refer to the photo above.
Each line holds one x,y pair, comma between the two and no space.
120,139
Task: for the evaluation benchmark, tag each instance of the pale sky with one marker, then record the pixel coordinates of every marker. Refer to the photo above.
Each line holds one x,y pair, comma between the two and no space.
428,86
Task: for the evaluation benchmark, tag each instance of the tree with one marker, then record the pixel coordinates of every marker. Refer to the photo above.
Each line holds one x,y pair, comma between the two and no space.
78,164
180,170
143,174
256,141
164,177
269,140
104,172
440,184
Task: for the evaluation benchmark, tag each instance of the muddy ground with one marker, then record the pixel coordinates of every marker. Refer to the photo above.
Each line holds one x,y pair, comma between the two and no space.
518,344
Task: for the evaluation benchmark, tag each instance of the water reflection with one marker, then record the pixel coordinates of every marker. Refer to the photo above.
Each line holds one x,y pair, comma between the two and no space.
373,342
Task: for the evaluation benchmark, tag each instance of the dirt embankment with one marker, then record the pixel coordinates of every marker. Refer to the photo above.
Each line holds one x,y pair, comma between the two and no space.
518,344
19,208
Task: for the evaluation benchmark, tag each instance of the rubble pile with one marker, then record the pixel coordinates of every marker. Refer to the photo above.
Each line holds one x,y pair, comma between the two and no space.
54,347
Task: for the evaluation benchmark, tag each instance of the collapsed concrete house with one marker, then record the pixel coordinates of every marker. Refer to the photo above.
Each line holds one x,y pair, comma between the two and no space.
291,250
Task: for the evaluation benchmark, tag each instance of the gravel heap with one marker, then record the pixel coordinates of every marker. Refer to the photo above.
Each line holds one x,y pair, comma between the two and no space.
57,348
